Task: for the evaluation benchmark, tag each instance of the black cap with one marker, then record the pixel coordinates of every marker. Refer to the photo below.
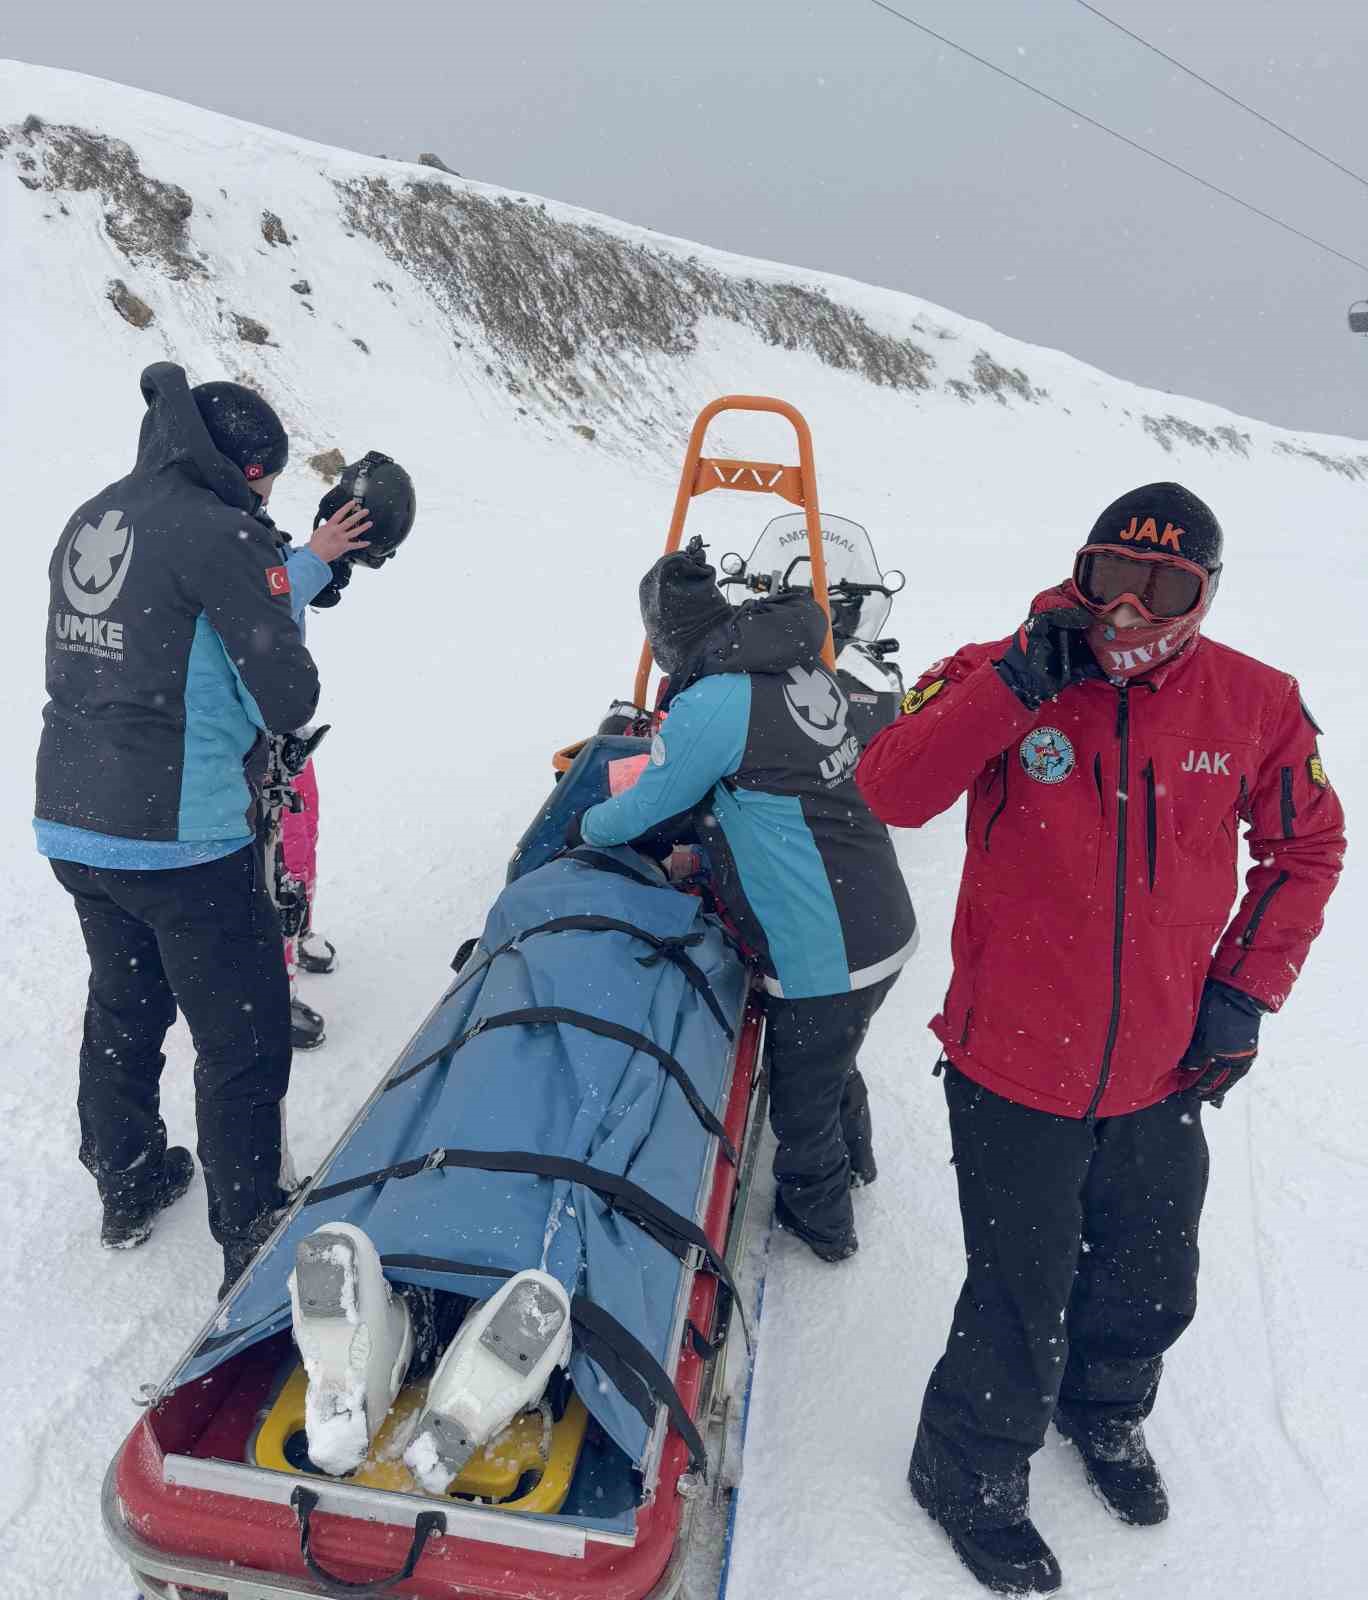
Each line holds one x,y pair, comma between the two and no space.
1160,517
680,605
244,428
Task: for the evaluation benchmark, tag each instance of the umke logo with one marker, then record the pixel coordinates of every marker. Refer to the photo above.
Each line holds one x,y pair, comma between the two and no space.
95,564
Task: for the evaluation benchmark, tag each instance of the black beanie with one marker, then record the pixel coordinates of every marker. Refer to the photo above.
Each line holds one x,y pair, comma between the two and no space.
244,428
1159,517
680,606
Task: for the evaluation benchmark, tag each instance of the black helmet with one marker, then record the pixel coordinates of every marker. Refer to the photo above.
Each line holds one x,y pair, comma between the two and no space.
380,484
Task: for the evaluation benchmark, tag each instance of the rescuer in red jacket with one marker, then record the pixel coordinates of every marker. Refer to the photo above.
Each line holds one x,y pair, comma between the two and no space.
1101,994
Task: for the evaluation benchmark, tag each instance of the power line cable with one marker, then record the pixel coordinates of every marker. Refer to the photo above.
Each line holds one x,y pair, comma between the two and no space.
1225,94
1133,144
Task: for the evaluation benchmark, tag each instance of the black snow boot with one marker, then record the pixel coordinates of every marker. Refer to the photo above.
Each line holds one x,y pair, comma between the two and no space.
306,1027
127,1223
1122,1471
839,1248
1011,1560
315,955
240,1249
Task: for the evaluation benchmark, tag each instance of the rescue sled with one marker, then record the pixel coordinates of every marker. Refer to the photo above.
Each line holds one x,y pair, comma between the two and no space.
586,1098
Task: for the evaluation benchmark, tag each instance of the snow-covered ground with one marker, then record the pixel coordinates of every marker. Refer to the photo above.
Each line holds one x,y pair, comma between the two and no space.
506,335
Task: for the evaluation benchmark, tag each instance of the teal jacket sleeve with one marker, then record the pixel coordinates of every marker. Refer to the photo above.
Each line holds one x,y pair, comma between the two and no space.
702,741
309,575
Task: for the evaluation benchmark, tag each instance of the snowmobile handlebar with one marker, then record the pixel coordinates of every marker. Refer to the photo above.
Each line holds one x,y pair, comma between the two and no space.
798,485
770,582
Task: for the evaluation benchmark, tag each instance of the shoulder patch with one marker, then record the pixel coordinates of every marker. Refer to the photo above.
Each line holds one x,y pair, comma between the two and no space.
1316,772
915,699
277,580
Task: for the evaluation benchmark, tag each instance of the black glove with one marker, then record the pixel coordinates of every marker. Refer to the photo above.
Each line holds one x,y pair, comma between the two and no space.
296,749
331,592
1047,654
1224,1042
573,836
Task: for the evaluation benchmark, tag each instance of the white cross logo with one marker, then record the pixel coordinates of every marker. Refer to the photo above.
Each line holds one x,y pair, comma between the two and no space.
816,704
97,549
95,564
815,694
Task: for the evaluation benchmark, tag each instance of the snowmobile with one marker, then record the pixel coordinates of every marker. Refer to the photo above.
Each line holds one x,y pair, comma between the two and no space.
860,599
577,1121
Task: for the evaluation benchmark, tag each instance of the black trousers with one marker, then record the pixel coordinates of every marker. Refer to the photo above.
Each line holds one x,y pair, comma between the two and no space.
206,939
1081,1239
819,1105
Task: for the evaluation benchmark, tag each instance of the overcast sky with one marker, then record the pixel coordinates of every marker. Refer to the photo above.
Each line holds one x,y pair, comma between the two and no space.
827,133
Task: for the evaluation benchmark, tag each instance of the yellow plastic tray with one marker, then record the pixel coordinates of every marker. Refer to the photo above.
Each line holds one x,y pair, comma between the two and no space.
491,1475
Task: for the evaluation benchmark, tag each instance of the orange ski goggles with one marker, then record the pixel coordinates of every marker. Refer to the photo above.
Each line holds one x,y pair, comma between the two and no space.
1159,586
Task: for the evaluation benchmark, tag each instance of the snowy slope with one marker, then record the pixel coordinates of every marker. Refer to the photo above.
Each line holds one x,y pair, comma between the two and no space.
536,368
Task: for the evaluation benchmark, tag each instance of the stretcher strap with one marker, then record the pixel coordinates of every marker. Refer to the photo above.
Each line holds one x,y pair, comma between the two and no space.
533,1016
601,861
674,950
630,1367
674,1232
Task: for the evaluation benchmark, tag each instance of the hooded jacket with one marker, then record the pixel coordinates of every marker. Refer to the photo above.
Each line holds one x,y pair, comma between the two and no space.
1101,864
756,741
170,644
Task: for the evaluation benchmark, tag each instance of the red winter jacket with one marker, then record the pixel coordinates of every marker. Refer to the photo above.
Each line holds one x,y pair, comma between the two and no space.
1101,864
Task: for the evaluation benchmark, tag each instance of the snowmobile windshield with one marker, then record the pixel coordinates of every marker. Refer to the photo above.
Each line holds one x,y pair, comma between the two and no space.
782,552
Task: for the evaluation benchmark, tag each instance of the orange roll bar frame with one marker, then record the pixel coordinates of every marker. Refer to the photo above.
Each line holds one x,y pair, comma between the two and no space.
798,485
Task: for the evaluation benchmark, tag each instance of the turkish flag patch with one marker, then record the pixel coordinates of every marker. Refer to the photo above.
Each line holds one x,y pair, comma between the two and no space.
277,580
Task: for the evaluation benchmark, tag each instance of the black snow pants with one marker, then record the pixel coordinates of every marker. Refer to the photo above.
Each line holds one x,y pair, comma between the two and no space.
207,939
819,1105
1081,1240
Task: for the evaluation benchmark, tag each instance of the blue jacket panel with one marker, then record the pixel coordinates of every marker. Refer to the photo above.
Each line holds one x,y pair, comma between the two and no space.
784,880
61,843
309,575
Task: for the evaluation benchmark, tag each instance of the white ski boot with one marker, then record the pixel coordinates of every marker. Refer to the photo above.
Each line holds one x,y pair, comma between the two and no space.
497,1365
355,1337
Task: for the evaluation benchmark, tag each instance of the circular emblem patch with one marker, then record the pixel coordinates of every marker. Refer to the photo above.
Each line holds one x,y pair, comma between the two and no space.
1047,755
